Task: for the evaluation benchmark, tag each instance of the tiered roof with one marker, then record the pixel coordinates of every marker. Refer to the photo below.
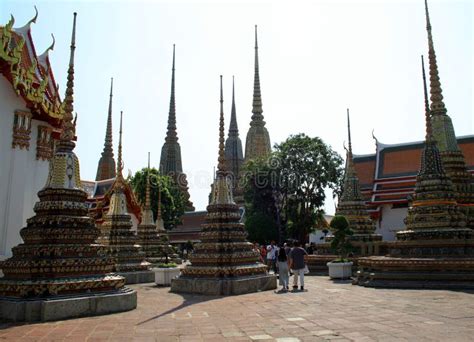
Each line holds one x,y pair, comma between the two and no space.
30,75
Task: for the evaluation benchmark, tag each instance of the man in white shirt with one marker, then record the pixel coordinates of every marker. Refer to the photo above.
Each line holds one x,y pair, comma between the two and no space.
272,251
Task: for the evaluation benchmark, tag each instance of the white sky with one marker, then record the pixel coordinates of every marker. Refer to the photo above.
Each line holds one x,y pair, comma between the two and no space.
316,59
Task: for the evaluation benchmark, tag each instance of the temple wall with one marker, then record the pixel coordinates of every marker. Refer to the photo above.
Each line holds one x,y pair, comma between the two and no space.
21,175
391,222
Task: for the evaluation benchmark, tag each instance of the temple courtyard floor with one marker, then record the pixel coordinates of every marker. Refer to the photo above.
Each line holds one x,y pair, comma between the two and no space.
325,311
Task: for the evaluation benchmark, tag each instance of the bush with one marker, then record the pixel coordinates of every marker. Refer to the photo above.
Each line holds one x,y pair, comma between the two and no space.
340,243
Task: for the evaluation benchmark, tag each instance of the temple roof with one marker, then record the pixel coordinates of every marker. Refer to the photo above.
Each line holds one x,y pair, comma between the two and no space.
389,175
30,75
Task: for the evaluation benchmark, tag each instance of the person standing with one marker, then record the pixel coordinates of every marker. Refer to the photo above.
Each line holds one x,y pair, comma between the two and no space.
283,269
271,256
297,264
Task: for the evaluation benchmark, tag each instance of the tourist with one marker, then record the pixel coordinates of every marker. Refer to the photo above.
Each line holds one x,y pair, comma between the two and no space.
271,256
283,269
297,264
263,253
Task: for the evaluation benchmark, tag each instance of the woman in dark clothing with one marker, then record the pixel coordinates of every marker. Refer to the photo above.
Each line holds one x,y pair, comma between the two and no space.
283,269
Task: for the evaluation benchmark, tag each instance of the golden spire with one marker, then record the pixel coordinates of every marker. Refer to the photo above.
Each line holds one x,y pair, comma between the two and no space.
119,157
68,130
349,134
158,211
437,104
147,192
429,130
221,159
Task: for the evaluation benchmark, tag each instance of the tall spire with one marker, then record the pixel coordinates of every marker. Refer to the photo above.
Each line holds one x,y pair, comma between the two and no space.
234,157
68,129
106,167
349,133
119,157
257,144
257,109
147,191
221,160
233,127
429,130
437,104
171,133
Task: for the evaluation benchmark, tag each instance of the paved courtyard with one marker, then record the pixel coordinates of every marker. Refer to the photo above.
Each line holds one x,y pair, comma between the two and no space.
326,311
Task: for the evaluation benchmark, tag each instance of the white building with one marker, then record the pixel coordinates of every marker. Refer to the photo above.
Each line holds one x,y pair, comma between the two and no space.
30,117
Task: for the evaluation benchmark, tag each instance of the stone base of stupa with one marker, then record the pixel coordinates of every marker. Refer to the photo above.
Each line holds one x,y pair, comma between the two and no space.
138,277
65,307
224,286
416,273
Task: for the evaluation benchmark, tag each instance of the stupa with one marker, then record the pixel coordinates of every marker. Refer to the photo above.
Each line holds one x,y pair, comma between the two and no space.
234,156
116,231
153,237
59,271
224,262
170,161
351,204
437,249
257,143
443,132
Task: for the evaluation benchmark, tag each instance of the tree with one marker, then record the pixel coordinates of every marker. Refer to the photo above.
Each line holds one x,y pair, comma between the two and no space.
173,202
261,201
307,167
340,244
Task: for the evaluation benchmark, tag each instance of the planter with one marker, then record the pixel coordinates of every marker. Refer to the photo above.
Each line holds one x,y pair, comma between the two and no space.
163,276
340,270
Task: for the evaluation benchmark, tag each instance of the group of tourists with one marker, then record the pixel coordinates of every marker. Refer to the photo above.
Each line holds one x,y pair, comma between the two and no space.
284,259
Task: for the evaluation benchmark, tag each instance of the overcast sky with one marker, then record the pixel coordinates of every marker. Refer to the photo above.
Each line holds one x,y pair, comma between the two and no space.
316,59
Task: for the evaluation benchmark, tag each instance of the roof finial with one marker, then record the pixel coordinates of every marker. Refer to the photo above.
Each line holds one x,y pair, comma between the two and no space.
221,159
147,191
349,133
257,95
68,129
33,20
429,131
437,104
119,157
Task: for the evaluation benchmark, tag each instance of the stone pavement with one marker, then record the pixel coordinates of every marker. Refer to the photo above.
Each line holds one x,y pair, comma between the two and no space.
326,311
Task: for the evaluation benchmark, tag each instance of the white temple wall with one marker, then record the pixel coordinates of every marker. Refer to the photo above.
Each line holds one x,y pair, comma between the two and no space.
391,222
21,175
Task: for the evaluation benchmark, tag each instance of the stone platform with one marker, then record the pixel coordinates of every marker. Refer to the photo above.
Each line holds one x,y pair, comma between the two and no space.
224,286
138,277
64,307
431,273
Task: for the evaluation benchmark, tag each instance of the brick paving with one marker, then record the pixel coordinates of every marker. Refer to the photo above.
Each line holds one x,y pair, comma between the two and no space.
326,311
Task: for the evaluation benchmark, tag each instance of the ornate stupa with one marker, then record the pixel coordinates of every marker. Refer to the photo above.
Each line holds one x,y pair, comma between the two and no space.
224,262
443,132
437,249
170,161
257,144
234,157
116,230
351,203
106,167
434,212
59,265
153,237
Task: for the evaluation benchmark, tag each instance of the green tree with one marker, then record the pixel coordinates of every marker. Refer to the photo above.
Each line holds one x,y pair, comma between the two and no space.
172,200
260,196
340,243
307,167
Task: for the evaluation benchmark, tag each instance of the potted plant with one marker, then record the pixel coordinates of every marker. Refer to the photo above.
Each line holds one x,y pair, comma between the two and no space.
165,272
341,267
